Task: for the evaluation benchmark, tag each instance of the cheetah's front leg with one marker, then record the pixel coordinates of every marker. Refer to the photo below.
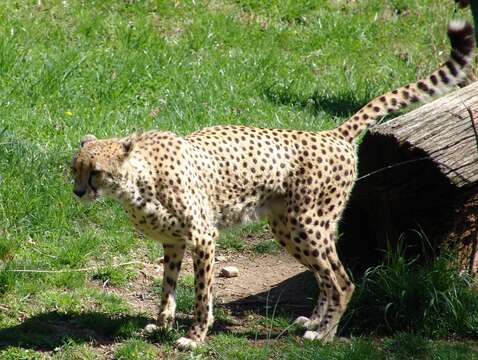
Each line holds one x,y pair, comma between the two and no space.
173,256
203,256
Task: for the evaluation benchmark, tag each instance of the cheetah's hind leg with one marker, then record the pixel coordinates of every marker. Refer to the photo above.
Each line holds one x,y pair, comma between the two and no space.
282,234
311,242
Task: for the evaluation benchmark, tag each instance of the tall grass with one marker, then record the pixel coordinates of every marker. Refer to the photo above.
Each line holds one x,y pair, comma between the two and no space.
433,298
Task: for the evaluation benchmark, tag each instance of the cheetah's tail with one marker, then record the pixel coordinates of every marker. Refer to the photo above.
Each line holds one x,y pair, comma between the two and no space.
444,79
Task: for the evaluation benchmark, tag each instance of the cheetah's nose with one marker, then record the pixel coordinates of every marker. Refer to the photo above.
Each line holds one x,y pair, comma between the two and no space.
79,192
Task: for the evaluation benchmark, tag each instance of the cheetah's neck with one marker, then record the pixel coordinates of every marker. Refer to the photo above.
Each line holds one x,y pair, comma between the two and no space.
126,190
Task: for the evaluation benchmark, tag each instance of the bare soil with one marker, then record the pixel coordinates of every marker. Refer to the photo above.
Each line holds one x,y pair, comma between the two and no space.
264,281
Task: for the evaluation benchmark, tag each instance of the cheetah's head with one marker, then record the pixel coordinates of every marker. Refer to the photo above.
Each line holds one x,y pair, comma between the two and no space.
96,166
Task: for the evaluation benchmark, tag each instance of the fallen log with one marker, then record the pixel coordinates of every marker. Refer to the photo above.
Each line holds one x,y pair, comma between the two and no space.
418,181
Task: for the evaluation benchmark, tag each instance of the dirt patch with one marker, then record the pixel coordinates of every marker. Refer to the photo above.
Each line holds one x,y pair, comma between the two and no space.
263,281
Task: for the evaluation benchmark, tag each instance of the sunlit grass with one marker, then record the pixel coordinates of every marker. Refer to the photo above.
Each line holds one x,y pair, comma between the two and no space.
113,67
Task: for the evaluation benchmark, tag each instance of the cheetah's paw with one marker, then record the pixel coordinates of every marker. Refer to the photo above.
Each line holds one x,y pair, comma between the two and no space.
324,336
185,343
150,328
166,320
312,335
306,323
301,321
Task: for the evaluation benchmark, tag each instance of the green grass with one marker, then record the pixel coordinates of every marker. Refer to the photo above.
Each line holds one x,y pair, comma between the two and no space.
113,276
267,246
68,68
246,237
184,292
136,349
403,346
434,299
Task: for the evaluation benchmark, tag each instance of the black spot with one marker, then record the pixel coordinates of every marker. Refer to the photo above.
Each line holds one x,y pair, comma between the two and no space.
443,76
458,58
451,67
422,86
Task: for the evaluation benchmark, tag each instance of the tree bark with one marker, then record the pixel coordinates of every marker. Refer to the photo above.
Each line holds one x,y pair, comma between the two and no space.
418,182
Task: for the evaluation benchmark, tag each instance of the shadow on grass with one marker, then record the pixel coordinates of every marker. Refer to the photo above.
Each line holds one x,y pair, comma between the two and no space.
292,297
342,106
49,330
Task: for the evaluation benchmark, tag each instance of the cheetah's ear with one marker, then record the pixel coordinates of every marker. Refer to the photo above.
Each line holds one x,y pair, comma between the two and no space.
128,144
87,138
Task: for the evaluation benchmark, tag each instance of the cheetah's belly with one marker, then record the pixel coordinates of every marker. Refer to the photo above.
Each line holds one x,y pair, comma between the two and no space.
250,211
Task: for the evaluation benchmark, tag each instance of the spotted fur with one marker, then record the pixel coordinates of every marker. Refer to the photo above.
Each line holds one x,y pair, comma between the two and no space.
183,190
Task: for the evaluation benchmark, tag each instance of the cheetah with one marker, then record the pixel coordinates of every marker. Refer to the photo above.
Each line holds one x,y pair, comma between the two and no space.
182,190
